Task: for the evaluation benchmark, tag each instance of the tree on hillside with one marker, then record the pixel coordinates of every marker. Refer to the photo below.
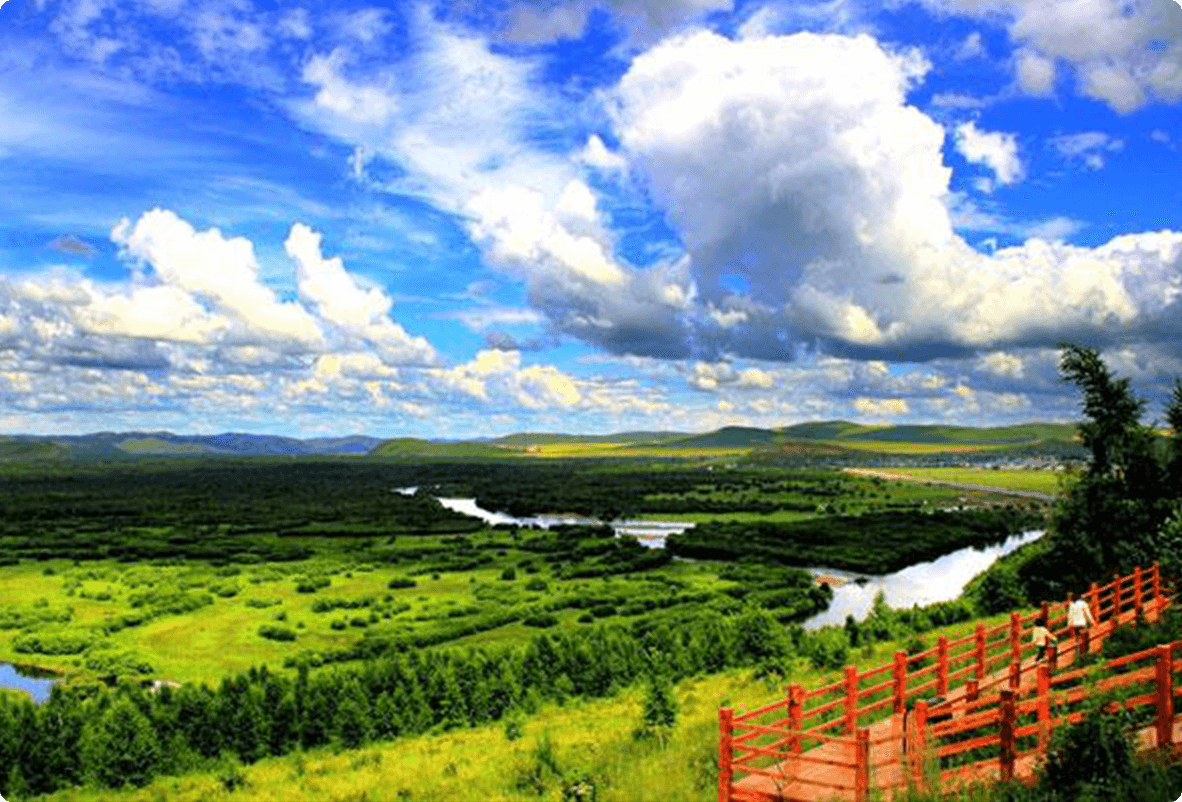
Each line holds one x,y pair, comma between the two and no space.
1113,427
1112,517
1174,421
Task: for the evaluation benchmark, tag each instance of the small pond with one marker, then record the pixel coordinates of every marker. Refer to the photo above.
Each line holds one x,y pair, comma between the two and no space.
34,682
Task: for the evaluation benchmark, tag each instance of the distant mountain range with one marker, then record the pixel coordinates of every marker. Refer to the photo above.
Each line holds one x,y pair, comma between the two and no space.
820,438
118,445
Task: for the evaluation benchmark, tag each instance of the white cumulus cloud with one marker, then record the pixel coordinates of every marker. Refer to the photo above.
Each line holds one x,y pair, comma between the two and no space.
996,150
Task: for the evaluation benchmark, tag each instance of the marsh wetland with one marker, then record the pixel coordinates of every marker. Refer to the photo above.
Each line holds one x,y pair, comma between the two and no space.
343,601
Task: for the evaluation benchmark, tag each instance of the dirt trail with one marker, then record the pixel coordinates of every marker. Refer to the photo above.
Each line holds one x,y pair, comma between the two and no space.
1035,494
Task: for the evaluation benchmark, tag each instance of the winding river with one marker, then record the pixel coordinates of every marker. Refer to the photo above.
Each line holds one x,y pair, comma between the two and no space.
941,579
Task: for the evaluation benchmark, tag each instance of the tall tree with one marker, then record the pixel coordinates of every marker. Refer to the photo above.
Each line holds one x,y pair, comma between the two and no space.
1113,413
120,746
1112,516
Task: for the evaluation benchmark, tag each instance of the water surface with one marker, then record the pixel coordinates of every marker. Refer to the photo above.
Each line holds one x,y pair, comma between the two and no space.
941,579
34,682
649,533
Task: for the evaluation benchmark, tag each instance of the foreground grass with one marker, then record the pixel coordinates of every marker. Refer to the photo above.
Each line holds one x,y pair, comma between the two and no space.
553,751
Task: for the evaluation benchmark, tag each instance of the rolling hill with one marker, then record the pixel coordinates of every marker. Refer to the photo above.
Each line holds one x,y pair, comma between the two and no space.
411,447
819,438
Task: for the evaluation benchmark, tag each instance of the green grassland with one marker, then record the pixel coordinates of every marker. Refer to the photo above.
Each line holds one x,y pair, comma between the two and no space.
1039,481
95,602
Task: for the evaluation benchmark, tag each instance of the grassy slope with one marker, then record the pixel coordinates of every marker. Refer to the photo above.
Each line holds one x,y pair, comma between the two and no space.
17,450
153,445
412,447
525,439
591,738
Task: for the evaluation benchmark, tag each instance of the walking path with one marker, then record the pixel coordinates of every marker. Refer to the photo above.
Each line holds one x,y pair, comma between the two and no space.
804,781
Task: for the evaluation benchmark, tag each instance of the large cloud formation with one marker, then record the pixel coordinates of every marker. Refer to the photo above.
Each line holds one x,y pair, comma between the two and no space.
796,164
810,198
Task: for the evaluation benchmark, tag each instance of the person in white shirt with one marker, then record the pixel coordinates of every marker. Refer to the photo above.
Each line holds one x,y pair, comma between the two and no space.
1079,620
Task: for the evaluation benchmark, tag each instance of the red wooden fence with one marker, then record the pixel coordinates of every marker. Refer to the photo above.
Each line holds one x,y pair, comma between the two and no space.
818,744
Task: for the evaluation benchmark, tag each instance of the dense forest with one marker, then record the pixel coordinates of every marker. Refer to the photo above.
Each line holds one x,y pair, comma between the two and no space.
874,543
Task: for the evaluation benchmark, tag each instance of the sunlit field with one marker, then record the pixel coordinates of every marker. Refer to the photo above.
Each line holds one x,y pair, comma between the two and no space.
1036,480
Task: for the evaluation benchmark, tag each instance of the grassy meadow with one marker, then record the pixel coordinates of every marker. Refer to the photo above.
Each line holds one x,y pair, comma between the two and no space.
89,602
1035,480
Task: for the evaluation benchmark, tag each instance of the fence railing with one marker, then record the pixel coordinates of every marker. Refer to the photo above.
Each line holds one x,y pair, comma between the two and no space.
815,737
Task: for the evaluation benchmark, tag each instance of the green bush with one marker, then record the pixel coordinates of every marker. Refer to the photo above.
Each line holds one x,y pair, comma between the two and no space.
271,632
400,582
1091,756
509,574
311,584
541,621
53,642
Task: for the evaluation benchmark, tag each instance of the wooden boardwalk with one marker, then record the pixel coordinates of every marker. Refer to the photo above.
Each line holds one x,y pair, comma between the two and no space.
848,766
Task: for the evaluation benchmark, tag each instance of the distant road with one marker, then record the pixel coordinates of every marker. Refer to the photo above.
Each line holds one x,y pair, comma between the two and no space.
1035,494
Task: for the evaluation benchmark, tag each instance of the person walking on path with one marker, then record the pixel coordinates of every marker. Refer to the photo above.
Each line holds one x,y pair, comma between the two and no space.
1079,622
1039,636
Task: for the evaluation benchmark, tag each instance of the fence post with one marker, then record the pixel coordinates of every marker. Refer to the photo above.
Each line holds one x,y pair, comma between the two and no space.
980,651
1015,636
726,773
1045,610
1044,706
1165,696
1053,655
1015,650
1156,580
862,765
942,667
970,691
1117,603
1094,603
1007,734
917,743
851,699
795,714
900,673
1137,597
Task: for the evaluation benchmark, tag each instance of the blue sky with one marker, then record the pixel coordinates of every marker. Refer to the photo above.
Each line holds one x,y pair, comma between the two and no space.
469,219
